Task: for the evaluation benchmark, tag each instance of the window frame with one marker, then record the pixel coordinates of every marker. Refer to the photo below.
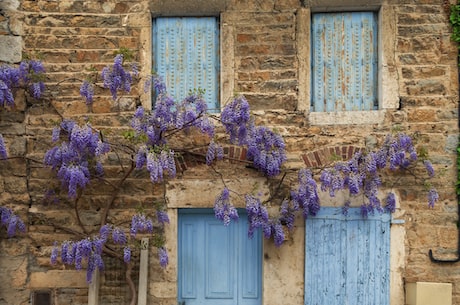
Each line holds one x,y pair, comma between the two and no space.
186,21
388,90
350,43
226,75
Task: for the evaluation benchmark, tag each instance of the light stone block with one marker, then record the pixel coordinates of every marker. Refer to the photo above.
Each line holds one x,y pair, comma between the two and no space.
426,293
10,49
58,279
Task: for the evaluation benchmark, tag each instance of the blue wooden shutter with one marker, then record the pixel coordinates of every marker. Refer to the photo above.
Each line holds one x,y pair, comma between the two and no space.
344,61
218,265
347,258
186,55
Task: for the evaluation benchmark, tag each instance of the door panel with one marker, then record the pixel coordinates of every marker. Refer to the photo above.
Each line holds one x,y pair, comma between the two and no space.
218,265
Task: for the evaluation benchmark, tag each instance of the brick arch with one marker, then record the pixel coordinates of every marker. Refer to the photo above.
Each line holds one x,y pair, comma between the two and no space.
325,156
232,153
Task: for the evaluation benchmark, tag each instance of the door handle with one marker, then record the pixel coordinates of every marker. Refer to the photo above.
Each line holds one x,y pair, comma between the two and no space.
181,303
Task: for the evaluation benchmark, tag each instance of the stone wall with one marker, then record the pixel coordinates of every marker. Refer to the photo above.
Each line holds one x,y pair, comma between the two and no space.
263,58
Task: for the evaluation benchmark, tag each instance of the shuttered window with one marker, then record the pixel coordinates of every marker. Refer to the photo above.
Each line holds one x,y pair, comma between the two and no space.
186,56
347,258
344,61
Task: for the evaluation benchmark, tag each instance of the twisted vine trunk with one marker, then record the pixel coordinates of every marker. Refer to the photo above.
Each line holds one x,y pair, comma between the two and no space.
129,280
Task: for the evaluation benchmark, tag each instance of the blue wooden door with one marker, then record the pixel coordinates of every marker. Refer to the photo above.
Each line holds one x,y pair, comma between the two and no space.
186,56
344,61
347,258
218,265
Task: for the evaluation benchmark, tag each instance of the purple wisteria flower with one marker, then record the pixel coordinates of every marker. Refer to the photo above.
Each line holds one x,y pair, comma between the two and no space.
306,196
3,153
257,215
127,254
215,151
267,150
365,210
433,197
104,232
224,209
346,207
116,78
287,214
6,93
76,155
118,236
140,223
158,84
277,232
360,175
76,253
390,202
54,254
236,119
163,257
429,168
159,164
28,75
162,217
11,222
191,112
87,92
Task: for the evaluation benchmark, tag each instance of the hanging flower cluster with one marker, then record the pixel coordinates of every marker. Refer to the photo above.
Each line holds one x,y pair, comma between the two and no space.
259,218
116,78
76,156
266,149
88,251
87,92
28,75
223,209
306,198
166,118
215,151
235,118
11,222
360,175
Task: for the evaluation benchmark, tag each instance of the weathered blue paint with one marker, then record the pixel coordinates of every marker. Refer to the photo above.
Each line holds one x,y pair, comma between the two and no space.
347,258
218,265
186,55
344,61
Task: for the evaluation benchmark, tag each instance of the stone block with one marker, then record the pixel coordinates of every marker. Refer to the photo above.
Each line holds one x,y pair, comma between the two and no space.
425,293
58,279
163,289
10,49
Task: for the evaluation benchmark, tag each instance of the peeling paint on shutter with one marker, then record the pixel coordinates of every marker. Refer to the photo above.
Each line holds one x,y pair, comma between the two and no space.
347,258
344,61
186,55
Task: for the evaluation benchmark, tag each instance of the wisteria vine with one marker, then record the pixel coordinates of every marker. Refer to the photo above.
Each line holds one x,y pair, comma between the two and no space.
79,152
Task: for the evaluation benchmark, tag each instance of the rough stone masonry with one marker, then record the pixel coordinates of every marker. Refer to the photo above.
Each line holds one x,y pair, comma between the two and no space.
265,51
